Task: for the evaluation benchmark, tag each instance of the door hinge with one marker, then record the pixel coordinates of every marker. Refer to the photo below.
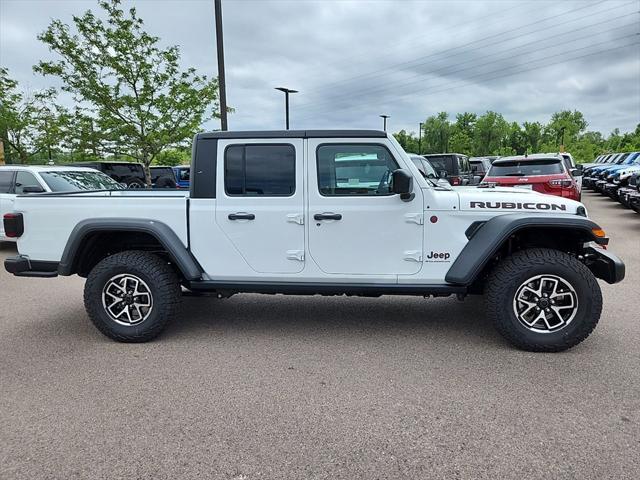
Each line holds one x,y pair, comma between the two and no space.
414,218
295,255
413,255
295,218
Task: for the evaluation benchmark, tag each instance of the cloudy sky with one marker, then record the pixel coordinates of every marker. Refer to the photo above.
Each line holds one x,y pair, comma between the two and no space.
354,60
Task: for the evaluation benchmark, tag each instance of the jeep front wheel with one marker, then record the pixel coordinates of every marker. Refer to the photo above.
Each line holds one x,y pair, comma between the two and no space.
543,300
131,296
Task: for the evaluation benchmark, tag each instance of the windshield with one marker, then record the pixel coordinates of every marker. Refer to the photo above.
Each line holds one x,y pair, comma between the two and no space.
526,168
622,158
424,166
70,181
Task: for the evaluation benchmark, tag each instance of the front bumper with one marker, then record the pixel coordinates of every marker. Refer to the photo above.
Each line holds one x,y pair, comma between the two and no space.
605,265
611,189
600,185
634,201
24,267
624,193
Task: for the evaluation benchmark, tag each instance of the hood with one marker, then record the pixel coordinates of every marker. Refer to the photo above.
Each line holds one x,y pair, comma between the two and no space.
513,199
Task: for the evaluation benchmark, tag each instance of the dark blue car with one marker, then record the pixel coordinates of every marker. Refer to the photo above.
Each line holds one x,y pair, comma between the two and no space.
183,175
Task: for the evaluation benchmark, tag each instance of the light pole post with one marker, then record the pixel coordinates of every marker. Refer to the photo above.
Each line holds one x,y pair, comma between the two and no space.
420,139
384,118
286,91
222,87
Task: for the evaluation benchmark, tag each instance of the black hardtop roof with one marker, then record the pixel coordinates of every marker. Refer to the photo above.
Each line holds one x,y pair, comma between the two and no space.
528,158
295,134
446,154
93,162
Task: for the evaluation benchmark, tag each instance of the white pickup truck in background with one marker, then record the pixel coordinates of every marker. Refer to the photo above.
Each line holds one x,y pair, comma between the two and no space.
24,179
319,212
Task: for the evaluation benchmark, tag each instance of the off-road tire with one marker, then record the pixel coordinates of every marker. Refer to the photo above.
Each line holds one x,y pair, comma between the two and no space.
161,280
505,279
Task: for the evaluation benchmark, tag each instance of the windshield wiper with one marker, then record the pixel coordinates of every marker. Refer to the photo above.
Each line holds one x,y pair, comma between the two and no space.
514,174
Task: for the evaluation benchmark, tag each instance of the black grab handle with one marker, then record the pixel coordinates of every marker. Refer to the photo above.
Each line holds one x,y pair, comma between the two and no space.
242,216
327,216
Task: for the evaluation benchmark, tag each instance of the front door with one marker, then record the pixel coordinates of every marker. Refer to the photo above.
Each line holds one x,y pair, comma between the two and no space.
260,205
356,225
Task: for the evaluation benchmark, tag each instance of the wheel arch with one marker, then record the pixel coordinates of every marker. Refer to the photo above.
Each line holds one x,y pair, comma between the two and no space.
91,240
505,233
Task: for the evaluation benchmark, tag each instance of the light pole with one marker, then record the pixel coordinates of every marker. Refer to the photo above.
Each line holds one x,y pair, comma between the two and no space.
286,91
384,117
420,139
222,87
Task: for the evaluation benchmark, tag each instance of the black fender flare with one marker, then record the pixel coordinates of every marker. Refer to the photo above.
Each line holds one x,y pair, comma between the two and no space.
486,240
179,254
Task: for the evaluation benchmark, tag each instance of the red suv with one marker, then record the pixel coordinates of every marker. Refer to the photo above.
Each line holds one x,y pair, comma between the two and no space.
542,173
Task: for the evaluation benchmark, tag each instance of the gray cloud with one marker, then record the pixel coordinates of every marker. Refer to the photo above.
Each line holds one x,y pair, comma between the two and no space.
353,60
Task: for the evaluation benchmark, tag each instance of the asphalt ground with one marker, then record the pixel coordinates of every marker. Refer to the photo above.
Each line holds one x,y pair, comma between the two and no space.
273,387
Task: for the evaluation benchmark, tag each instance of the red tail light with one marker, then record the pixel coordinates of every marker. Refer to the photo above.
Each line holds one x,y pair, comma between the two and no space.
13,225
559,183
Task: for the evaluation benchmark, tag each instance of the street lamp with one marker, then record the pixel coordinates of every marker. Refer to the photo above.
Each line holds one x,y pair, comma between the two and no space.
384,117
222,85
286,91
420,138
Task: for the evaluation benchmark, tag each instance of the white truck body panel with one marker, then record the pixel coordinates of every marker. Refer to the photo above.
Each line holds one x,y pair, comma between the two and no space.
380,239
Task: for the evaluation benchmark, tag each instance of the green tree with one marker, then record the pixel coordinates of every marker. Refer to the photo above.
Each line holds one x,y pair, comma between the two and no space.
566,123
462,133
173,157
29,123
532,132
490,134
140,99
437,132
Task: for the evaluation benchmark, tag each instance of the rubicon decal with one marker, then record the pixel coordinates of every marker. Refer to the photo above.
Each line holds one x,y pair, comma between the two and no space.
518,206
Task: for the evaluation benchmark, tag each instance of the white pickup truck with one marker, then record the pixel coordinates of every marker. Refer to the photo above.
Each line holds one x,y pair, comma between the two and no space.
319,212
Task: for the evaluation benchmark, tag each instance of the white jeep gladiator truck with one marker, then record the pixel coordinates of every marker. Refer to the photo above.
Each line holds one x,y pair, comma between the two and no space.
319,212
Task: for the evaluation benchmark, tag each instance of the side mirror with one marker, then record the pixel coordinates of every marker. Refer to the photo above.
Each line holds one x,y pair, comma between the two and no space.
477,179
576,172
33,189
443,174
402,183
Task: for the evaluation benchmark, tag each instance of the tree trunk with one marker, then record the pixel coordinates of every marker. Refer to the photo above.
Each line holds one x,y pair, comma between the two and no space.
147,171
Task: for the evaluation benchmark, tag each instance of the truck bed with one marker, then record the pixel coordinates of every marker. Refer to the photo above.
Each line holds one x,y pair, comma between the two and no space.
50,218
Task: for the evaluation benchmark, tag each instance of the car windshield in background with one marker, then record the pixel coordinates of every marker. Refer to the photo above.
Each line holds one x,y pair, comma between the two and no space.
526,168
70,181
424,167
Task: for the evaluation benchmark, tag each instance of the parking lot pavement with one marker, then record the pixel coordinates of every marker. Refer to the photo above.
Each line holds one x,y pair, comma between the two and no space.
269,387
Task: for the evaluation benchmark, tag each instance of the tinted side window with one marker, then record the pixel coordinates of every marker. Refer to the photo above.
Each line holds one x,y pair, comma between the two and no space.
267,170
25,179
5,181
353,169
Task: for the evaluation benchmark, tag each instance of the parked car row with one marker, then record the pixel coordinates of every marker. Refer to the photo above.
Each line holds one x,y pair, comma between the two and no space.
616,175
132,175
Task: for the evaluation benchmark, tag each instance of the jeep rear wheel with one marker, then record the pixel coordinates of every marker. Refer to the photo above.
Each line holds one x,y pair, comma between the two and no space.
131,296
543,300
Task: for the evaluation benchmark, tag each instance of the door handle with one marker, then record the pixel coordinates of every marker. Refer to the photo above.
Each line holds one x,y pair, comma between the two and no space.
327,216
242,216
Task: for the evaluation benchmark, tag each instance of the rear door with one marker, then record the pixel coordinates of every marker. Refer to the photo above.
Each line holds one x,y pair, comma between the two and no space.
260,205
356,225
6,197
